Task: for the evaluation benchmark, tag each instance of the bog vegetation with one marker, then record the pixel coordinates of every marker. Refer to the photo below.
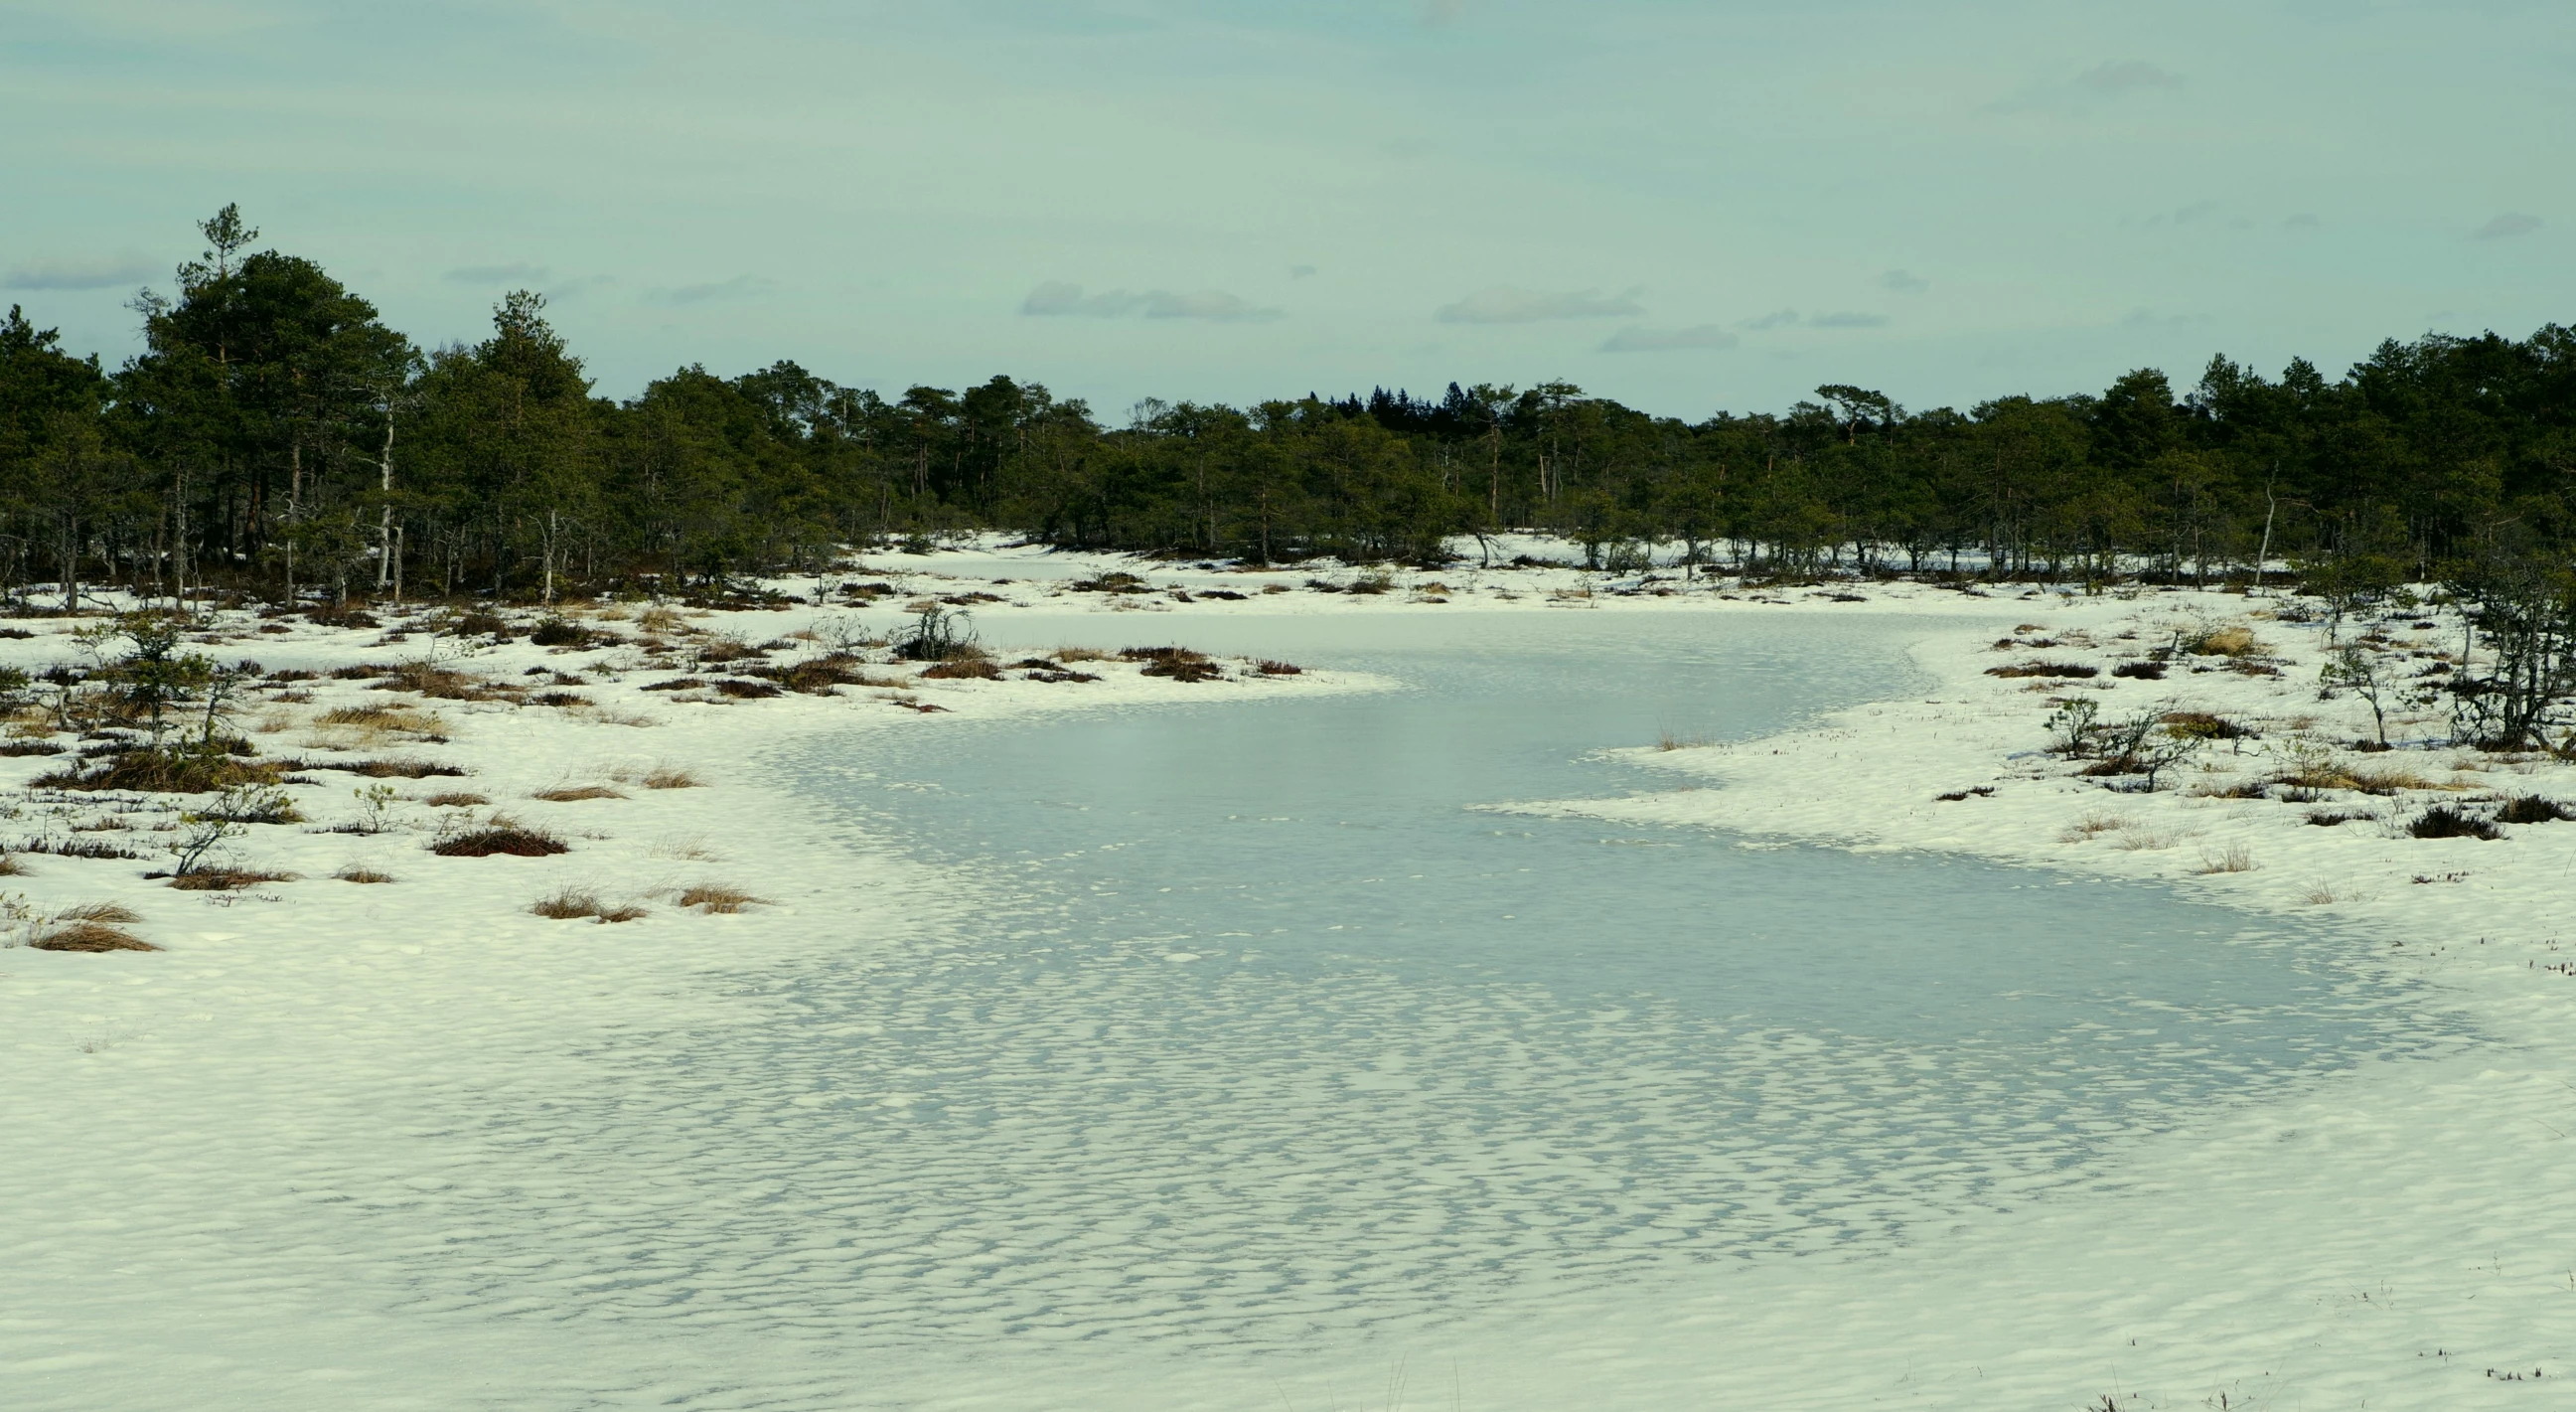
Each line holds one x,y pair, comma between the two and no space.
276,436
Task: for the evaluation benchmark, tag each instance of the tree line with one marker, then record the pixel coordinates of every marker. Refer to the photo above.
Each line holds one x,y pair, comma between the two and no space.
275,436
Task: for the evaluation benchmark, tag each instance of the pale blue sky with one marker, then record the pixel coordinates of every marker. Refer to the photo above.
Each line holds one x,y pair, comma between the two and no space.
1686,206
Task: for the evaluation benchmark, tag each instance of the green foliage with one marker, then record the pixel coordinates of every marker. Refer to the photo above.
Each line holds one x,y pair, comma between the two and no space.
275,434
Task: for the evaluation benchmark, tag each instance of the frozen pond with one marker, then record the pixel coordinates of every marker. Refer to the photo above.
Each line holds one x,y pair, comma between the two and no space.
1260,1029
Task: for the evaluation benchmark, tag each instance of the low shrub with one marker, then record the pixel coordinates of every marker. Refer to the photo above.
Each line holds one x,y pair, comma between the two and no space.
2205,726
2443,821
566,700
455,799
2234,858
965,669
2533,809
29,747
226,879
1052,675
361,873
1269,668
2330,818
669,777
2044,669
1178,663
746,689
167,769
1115,581
675,684
555,632
574,794
443,683
95,848
498,835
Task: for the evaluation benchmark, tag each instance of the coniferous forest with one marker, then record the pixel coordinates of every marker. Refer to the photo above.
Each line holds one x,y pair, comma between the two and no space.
276,437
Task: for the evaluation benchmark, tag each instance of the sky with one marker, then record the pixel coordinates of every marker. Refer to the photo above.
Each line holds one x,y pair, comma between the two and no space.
1685,206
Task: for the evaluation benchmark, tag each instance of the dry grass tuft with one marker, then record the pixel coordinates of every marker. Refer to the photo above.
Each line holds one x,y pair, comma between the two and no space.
92,937
2319,894
2234,858
573,903
670,777
715,898
361,873
1669,740
1083,654
575,793
2091,826
98,912
499,834
692,847
455,799
226,879
2142,841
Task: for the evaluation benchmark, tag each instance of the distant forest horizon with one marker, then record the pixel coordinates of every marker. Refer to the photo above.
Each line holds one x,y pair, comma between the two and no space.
276,437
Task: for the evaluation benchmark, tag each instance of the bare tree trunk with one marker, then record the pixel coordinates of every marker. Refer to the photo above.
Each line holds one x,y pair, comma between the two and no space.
385,571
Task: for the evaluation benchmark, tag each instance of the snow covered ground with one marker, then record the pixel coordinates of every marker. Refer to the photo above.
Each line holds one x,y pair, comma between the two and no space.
362,1145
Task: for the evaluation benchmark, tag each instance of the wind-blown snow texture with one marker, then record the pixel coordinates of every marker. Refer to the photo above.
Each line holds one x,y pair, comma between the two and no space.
406,1145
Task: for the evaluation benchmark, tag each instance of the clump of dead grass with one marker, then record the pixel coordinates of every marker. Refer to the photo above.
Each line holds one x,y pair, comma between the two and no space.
106,912
226,879
500,834
455,799
361,873
2234,858
89,937
575,793
574,903
669,777
715,898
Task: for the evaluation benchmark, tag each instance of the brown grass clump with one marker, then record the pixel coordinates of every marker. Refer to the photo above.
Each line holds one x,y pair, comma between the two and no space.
820,675
226,879
361,873
1269,668
1082,654
444,683
502,835
669,777
661,619
1178,663
91,937
170,770
572,904
746,690
2443,821
2234,640
575,793
714,898
455,799
109,912
374,718
2533,809
2044,669
964,669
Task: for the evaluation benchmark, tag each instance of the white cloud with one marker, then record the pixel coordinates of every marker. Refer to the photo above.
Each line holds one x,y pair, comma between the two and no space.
1507,304
1847,320
1665,340
80,272
2508,225
739,287
1901,282
1777,318
1059,298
